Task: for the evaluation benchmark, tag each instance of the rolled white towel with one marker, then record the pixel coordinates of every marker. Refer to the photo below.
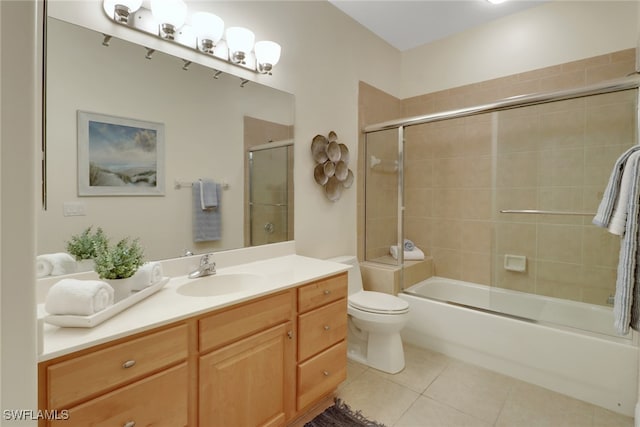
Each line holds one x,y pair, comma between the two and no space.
415,254
148,274
78,297
55,264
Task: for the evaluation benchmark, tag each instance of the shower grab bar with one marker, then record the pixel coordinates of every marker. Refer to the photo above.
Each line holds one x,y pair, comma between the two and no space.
540,212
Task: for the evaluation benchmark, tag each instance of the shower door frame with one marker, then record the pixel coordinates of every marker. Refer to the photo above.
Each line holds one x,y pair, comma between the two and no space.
287,144
610,86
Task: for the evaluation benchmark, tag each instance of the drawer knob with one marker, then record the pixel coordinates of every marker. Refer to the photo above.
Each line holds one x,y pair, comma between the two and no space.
129,424
327,327
326,373
327,291
125,365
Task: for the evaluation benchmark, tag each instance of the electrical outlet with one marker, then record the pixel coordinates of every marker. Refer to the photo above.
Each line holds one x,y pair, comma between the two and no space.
74,209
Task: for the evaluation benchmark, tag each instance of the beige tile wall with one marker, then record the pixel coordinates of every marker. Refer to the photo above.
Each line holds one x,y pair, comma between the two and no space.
459,173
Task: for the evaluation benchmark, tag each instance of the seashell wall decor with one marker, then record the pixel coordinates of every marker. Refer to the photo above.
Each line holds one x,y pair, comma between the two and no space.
332,165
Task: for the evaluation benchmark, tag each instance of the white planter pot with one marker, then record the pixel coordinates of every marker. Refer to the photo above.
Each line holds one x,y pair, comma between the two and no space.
121,288
85,265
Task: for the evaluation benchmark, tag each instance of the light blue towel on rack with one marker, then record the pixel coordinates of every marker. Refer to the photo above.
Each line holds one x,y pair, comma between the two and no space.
208,194
206,222
626,304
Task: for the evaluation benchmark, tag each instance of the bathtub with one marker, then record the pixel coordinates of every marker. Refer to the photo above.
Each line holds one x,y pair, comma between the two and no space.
585,360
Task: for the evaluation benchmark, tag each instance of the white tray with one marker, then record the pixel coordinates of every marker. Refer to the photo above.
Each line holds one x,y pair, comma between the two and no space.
69,320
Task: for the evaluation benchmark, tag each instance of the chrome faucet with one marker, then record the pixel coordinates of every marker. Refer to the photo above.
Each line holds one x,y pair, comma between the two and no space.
207,267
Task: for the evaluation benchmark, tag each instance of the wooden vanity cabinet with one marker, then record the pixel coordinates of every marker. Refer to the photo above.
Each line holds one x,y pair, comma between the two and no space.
247,364
258,363
322,345
141,379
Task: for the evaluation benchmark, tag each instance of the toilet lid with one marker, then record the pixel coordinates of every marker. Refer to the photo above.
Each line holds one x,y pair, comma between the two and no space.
378,302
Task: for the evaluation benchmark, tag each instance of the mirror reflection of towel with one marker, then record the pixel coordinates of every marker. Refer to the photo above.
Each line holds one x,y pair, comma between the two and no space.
208,194
206,223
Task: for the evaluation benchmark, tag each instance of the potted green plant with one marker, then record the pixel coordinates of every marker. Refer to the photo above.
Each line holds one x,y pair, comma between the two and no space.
116,264
86,246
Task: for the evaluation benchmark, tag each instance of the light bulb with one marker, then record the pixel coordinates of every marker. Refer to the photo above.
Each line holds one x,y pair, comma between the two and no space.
240,42
267,55
120,10
208,28
170,15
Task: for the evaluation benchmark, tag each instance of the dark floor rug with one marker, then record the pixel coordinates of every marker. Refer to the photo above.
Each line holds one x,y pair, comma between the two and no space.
340,415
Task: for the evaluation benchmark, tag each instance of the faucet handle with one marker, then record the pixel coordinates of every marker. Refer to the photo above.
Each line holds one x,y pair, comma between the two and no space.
206,259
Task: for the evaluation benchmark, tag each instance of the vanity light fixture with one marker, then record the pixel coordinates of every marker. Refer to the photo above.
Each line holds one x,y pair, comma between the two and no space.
209,29
120,10
240,41
267,55
204,32
170,15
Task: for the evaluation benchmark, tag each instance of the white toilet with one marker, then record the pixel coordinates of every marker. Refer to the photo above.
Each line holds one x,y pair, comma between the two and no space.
375,322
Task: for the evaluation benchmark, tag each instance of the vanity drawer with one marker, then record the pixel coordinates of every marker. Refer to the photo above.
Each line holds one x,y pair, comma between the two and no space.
321,328
322,292
83,376
321,374
158,400
238,322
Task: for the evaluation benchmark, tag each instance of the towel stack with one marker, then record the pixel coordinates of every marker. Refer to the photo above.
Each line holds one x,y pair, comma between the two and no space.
411,251
55,264
149,274
619,212
78,297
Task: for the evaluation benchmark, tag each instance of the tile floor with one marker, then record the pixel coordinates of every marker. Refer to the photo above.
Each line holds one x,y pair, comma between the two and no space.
438,391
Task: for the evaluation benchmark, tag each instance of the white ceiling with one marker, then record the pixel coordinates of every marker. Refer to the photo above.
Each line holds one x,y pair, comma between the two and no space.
408,24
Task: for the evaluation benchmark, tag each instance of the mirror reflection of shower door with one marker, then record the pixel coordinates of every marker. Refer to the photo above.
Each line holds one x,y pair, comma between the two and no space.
270,176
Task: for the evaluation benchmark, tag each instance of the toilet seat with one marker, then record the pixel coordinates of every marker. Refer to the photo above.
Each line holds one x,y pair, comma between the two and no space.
378,302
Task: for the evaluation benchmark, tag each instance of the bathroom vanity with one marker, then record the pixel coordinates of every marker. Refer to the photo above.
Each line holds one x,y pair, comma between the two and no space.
261,356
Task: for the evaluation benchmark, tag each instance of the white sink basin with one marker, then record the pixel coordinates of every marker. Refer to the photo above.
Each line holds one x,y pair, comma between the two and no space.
220,284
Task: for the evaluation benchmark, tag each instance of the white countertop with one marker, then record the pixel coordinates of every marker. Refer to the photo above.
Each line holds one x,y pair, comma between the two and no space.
168,306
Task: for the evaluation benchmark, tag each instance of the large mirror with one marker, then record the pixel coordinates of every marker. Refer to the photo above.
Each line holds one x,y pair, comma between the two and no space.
210,123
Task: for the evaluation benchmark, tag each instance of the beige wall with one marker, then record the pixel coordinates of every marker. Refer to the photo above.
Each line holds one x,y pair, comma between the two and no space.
554,33
19,138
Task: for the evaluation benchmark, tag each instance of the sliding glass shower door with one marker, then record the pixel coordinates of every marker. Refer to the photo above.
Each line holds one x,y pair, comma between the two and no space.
270,192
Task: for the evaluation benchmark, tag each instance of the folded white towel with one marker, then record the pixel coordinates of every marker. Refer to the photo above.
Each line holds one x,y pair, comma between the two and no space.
415,254
78,297
208,194
619,216
147,275
55,264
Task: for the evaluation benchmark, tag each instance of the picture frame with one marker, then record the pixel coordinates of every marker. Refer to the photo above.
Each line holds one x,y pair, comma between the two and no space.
120,156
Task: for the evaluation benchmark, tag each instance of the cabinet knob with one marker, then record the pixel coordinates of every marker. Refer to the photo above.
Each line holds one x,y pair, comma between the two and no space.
326,373
327,292
125,365
290,334
327,327
129,424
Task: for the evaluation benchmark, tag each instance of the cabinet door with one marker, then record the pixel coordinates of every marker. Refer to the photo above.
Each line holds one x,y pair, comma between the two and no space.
251,382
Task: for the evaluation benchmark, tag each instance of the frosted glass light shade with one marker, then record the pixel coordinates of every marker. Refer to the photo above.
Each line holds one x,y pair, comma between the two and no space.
171,12
240,39
207,26
120,10
267,52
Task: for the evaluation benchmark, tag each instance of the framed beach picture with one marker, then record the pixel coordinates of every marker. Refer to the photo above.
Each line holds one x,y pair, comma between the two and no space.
119,156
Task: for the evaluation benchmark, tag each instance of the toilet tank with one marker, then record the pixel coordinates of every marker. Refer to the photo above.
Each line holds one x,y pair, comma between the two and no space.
354,277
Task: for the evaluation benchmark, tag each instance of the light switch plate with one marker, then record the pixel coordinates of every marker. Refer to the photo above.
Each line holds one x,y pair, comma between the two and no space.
74,209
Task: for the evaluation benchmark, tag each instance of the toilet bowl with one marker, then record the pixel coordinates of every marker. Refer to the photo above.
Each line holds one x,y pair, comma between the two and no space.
375,322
